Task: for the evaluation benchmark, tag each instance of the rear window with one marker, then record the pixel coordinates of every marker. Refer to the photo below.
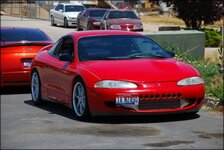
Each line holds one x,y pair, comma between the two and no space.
14,35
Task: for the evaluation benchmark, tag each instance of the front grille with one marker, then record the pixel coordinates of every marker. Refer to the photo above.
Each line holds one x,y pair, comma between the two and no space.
159,104
163,96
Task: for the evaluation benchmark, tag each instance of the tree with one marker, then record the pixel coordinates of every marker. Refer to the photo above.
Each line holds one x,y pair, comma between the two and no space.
196,12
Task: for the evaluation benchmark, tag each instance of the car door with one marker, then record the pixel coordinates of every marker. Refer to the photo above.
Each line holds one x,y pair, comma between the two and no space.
57,74
56,13
61,14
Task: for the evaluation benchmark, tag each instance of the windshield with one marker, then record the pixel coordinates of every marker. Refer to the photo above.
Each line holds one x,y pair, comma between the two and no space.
15,35
122,14
115,47
97,13
74,8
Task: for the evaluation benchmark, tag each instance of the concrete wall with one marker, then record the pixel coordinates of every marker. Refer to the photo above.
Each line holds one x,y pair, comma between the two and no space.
190,41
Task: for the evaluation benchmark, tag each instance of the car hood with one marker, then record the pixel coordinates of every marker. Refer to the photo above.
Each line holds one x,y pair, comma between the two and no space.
124,21
140,70
71,14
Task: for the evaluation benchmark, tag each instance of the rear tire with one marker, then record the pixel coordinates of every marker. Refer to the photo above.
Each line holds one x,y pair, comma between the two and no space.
65,23
52,21
79,101
36,88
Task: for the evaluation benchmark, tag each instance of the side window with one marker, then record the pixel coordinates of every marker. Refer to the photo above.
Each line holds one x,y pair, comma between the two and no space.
61,7
86,13
106,15
57,7
67,47
54,48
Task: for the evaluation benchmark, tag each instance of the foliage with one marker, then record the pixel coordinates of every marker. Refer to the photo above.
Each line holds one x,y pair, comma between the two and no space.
209,71
194,12
212,37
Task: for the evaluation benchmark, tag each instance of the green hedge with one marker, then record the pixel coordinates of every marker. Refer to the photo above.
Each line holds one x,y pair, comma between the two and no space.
212,37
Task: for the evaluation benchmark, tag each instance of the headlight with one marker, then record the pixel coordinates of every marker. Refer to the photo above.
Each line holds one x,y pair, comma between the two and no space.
115,84
115,26
190,81
138,26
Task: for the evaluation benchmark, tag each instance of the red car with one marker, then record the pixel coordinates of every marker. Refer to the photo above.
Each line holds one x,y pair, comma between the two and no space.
121,20
18,47
90,19
115,73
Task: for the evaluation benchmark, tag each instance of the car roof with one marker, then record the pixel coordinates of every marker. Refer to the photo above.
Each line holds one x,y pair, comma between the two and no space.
72,3
20,28
96,9
81,34
121,10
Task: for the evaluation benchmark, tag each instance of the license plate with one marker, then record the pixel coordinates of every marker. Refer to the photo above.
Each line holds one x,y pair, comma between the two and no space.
127,100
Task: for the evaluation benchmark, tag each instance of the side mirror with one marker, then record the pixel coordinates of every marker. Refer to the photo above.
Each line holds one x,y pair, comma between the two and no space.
171,53
66,57
60,10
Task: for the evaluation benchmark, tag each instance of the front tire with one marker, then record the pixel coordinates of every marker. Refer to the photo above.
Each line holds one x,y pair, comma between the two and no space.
36,88
89,26
79,101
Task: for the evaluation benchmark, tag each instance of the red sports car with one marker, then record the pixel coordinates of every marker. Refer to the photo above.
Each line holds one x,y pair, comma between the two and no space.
121,20
115,73
18,47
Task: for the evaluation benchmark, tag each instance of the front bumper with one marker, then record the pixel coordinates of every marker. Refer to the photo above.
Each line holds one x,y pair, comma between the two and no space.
72,22
157,100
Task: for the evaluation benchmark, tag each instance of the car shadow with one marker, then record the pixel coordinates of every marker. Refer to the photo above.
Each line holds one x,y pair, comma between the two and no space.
65,111
15,90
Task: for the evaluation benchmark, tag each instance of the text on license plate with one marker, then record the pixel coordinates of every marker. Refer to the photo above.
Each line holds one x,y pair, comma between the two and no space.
127,100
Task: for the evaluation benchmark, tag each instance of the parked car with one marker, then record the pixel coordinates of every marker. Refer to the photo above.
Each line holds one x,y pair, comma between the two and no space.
18,47
115,73
121,20
90,19
66,14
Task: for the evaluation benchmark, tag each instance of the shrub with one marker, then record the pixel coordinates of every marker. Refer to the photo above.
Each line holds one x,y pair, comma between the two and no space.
212,37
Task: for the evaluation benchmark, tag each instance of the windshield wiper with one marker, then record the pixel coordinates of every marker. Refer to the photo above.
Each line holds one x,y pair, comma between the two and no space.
145,55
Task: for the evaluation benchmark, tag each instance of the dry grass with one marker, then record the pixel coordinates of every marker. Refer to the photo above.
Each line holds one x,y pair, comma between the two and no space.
171,20
162,19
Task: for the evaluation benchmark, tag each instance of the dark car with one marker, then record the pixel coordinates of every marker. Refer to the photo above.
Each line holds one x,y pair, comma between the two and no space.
121,20
90,19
